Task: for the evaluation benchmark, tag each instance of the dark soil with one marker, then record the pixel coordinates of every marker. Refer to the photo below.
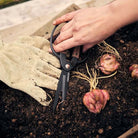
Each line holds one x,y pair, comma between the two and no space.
21,116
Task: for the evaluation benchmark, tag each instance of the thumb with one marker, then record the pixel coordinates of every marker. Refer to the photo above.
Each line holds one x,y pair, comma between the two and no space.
65,18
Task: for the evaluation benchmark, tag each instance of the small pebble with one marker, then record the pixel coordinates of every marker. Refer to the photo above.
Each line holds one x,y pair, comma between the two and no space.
105,87
122,41
48,133
127,45
63,109
100,131
81,87
118,98
31,134
36,116
124,48
39,122
125,54
14,120
109,127
32,113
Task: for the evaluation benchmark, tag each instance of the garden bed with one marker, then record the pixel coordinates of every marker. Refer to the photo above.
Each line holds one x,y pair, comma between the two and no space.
22,116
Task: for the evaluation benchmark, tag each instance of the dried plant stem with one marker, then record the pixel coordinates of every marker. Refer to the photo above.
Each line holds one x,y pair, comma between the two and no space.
103,77
109,49
92,79
59,104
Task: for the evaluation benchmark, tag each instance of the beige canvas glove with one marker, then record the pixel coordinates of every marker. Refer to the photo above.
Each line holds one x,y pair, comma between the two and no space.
35,41
27,68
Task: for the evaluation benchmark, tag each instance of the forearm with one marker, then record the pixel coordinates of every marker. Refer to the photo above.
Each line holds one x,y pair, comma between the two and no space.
125,11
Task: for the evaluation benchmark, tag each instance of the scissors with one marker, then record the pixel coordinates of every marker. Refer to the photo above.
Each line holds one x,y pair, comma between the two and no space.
67,64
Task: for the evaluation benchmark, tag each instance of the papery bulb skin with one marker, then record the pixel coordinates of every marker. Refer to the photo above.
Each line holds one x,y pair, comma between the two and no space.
134,70
108,63
96,100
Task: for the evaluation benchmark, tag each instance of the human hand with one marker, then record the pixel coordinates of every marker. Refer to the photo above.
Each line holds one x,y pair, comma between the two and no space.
28,68
90,26
86,27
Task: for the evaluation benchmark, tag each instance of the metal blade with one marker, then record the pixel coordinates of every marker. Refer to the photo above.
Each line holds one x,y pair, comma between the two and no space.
58,91
62,87
65,83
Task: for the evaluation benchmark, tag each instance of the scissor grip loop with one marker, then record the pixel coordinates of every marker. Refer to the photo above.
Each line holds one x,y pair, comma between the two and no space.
51,43
62,56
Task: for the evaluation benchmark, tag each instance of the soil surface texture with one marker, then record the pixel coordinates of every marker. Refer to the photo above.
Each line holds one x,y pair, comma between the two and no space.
21,116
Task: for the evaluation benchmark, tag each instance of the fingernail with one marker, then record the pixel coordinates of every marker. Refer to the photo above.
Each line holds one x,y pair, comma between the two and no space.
54,22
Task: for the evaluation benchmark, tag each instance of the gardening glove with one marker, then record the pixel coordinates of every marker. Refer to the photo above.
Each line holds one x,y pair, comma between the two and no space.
27,68
36,41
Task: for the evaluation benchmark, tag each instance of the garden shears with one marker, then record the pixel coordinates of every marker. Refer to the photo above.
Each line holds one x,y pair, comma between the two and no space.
67,64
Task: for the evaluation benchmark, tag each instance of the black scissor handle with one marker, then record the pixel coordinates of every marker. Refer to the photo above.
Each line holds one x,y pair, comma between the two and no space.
58,54
51,43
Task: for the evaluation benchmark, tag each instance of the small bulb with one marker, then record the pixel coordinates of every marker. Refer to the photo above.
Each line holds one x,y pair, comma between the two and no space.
108,63
134,71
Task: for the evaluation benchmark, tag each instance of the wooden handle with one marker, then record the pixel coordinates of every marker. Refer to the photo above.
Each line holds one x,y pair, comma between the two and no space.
76,52
129,132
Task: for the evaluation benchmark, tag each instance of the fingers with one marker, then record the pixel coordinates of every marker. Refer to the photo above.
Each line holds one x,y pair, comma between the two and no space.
65,33
39,95
44,80
67,44
48,69
64,18
67,26
49,58
36,41
35,92
63,36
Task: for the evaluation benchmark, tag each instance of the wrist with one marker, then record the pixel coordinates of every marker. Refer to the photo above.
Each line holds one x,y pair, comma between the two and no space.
124,12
